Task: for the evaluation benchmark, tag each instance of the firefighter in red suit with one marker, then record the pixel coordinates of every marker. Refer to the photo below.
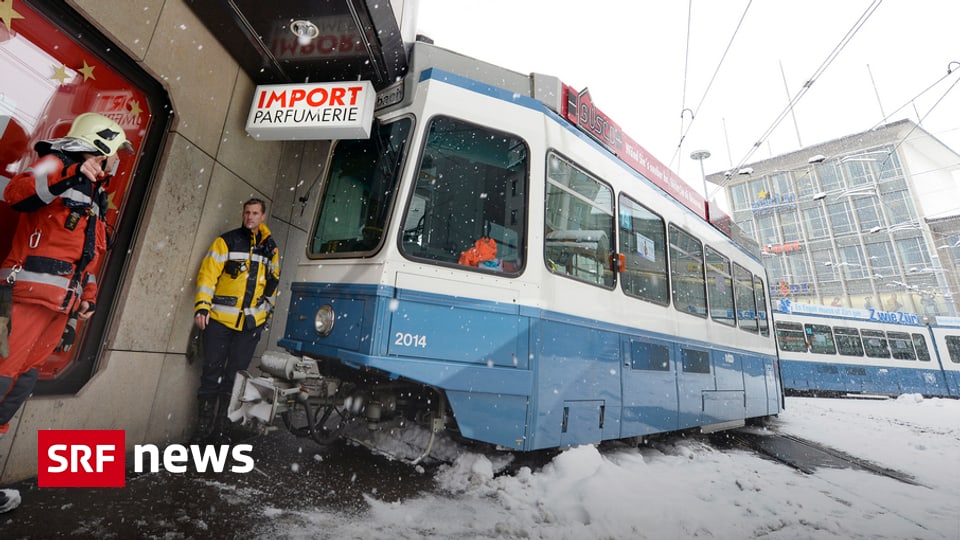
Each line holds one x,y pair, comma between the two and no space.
49,276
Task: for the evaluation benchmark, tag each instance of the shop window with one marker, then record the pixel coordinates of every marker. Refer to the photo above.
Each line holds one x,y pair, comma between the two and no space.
54,70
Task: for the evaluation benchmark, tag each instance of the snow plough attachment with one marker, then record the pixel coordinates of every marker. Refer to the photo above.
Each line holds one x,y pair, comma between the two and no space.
288,383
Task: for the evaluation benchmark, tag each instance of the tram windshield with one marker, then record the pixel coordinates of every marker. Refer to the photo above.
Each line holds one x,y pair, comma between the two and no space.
468,203
359,191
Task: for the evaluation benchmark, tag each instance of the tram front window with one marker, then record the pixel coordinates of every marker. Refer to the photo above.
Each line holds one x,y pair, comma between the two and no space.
359,191
468,206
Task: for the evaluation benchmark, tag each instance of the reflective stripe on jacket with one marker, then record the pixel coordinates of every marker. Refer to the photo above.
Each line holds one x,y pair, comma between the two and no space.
238,278
56,203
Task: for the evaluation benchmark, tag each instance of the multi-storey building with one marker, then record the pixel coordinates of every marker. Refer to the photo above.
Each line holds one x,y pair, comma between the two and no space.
867,221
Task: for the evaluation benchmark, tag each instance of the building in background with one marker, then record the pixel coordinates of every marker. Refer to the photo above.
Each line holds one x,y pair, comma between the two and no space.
868,221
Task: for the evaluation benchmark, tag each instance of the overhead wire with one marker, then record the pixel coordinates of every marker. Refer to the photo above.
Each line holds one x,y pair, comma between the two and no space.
914,98
693,113
806,86
686,67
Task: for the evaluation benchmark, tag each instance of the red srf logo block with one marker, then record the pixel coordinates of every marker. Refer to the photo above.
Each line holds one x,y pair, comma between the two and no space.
81,458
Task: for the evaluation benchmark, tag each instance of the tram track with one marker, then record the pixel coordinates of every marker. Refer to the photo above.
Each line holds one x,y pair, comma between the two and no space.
806,456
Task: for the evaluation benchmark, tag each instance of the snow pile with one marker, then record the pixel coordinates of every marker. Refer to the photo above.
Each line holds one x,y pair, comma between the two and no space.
687,488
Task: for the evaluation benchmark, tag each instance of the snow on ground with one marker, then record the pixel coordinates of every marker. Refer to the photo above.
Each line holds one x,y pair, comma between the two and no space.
686,488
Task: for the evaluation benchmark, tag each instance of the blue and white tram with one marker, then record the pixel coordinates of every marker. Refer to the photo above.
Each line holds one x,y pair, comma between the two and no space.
827,351
945,332
481,265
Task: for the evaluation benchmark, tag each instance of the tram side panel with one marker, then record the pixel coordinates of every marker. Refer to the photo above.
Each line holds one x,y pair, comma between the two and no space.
946,348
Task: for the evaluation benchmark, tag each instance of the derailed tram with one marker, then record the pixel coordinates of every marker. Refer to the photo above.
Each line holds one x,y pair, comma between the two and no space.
499,262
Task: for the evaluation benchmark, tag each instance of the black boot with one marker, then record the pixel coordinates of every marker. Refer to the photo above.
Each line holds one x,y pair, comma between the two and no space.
206,419
221,424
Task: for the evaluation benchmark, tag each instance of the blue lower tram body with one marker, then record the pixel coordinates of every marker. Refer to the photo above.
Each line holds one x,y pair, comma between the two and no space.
526,378
825,378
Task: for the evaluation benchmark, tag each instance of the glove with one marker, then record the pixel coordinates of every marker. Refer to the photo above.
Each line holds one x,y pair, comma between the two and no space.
69,336
195,345
6,307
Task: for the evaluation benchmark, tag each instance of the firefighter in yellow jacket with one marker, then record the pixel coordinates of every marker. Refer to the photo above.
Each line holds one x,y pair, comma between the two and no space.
236,292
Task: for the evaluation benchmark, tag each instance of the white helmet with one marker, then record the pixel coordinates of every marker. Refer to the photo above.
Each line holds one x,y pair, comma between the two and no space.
104,136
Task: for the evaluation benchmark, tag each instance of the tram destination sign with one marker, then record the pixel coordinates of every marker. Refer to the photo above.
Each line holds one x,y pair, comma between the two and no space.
317,111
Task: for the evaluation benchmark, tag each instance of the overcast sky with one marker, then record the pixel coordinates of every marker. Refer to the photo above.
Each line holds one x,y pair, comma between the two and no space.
634,58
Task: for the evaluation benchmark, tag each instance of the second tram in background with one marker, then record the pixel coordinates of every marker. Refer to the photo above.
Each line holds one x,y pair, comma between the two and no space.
852,351
498,260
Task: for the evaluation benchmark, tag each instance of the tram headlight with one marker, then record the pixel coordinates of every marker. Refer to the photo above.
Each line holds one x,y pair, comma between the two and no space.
323,320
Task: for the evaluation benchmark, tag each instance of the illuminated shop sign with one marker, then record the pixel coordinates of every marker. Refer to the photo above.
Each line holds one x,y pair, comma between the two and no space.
772,202
786,247
786,289
318,111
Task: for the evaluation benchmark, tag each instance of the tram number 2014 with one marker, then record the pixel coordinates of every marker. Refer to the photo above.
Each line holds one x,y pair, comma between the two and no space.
406,339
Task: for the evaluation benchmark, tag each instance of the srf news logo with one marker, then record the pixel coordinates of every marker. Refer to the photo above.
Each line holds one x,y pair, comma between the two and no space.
97,458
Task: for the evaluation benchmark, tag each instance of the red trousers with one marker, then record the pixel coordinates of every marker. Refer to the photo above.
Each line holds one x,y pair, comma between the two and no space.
34,332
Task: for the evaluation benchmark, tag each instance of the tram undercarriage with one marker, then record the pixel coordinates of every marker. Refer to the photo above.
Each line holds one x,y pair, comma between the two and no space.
397,418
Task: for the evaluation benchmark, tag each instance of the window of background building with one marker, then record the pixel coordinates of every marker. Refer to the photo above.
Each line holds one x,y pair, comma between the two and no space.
755,188
798,267
828,173
913,252
767,229
824,271
841,220
790,226
858,171
780,184
805,184
740,197
882,258
867,211
816,222
899,207
889,166
854,266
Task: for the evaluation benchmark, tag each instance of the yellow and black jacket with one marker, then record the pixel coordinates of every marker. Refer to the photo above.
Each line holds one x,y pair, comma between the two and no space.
238,278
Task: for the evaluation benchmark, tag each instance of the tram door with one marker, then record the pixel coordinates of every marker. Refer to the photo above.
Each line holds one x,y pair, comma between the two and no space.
649,386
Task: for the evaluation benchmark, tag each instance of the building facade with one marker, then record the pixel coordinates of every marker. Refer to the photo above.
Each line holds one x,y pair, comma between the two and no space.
868,221
169,74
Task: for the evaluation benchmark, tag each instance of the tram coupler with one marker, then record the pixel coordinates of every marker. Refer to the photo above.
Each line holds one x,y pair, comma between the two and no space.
286,382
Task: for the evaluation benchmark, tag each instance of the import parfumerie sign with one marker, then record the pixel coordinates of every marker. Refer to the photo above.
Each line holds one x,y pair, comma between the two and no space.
342,110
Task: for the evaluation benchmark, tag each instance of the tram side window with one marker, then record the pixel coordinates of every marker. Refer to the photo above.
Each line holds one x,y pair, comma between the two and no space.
358,194
820,338
953,348
719,287
578,224
790,337
686,273
469,200
643,243
649,356
695,361
848,341
901,346
746,302
920,344
760,291
875,344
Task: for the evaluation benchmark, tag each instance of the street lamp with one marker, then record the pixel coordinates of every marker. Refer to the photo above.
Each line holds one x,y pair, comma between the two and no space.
701,155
